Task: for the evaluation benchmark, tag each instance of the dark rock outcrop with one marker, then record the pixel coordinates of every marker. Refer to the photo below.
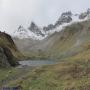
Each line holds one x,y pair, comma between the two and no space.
66,17
85,14
49,27
8,51
35,29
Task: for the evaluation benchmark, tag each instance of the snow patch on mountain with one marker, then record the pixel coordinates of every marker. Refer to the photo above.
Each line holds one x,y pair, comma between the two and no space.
38,33
61,27
22,33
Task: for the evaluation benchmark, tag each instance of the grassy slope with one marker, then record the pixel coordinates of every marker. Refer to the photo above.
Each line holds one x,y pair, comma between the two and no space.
72,40
73,74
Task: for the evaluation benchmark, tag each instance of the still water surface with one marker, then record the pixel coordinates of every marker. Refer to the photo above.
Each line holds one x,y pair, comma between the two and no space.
37,62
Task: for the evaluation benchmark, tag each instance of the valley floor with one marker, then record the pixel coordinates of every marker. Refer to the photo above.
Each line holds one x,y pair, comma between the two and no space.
66,75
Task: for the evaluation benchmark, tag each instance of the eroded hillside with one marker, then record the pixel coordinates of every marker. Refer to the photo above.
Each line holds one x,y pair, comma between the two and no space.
8,51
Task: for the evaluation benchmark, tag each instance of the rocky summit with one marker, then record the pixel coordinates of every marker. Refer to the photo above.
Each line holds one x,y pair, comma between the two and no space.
66,17
35,29
85,14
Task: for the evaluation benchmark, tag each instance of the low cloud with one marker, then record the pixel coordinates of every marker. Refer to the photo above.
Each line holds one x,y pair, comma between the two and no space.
21,12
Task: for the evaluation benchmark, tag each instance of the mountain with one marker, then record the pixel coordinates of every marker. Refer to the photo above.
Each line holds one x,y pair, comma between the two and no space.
33,32
65,17
39,33
71,40
85,14
9,54
35,29
21,32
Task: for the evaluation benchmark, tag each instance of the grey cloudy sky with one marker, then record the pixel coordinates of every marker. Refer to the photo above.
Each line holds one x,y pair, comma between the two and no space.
21,12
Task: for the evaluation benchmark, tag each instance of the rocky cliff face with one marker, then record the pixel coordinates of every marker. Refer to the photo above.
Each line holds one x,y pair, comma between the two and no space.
3,59
8,51
35,29
66,17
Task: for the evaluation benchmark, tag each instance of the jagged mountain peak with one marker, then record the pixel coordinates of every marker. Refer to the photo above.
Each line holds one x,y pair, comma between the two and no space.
68,13
33,26
85,14
66,18
23,33
36,29
20,31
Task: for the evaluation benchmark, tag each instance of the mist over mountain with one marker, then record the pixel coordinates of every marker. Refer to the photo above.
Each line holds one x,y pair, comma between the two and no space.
36,32
69,30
